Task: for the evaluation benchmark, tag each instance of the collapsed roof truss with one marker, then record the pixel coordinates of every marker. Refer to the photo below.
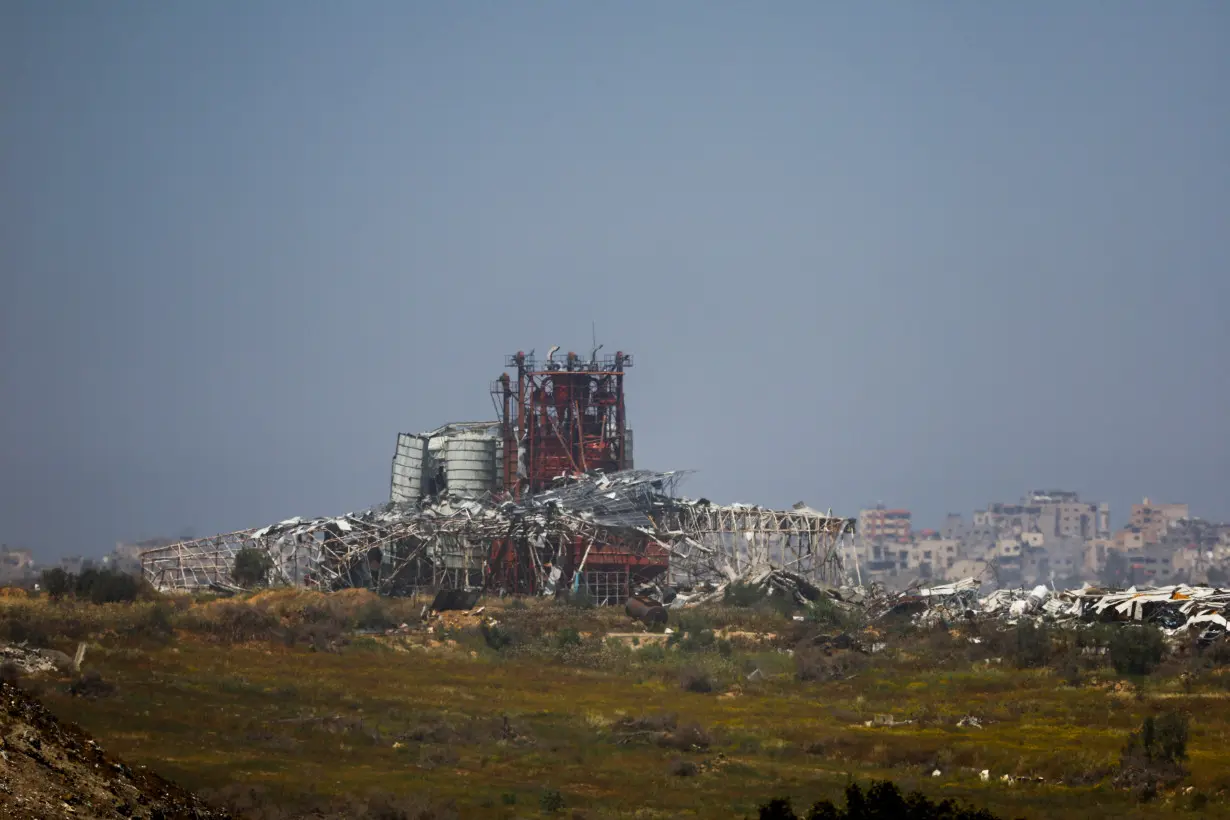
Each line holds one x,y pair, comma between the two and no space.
388,548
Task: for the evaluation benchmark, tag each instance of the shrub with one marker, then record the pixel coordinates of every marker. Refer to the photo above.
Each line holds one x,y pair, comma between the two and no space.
695,679
825,613
106,586
702,640
1155,753
687,737
683,768
252,567
57,583
1031,646
499,639
91,685
1070,669
882,799
372,615
661,722
235,622
567,637
157,623
743,594
813,664
581,599
551,801
1160,740
1137,650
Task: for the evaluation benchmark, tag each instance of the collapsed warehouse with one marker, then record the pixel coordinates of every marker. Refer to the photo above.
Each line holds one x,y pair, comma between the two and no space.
543,500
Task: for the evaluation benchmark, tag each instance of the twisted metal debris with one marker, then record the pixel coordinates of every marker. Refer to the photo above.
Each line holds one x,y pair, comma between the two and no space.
1176,610
452,542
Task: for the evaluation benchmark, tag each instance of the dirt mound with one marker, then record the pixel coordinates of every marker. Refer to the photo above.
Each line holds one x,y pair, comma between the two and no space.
51,770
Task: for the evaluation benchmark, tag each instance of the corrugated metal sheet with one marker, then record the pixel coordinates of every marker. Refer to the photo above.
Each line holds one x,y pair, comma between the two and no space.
408,466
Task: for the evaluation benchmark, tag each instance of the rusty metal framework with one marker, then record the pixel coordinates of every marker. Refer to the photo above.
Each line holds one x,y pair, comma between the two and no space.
561,539
562,418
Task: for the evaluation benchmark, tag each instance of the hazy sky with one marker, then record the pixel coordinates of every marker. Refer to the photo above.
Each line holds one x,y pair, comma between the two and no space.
933,254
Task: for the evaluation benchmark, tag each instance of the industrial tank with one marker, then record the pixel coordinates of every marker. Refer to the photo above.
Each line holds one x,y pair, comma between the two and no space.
470,463
407,484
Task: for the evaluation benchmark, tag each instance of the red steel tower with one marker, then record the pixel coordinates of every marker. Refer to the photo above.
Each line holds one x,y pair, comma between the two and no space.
562,419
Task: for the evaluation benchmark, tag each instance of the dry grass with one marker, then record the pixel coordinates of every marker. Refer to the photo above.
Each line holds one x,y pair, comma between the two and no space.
454,722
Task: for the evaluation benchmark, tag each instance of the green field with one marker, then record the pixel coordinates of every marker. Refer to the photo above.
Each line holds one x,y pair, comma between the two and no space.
610,726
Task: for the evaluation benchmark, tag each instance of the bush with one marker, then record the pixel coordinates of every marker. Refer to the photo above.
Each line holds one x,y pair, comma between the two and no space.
743,594
551,801
683,768
57,583
1160,740
694,679
827,614
581,599
1155,753
91,685
252,567
702,640
235,622
567,637
662,722
813,664
157,623
1031,646
372,615
882,799
108,586
1137,650
500,639
690,736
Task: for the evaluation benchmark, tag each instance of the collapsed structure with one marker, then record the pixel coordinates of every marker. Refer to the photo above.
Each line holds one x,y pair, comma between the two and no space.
542,500
1176,610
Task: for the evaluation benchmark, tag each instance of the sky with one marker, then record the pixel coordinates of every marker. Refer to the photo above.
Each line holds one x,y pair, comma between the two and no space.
929,254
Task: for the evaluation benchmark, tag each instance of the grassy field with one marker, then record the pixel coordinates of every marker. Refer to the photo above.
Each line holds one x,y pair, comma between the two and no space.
301,712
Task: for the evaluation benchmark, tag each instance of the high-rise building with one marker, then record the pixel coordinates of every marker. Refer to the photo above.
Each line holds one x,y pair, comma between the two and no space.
1154,520
879,524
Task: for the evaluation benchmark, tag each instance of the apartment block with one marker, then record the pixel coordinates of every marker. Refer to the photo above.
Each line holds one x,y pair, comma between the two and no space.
880,524
1155,520
1054,513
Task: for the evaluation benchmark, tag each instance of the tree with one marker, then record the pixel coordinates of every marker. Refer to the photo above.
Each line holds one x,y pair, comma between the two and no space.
252,567
1137,650
1116,571
57,583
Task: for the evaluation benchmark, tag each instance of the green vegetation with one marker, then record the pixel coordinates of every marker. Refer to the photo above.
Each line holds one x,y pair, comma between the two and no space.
882,800
98,586
252,567
272,699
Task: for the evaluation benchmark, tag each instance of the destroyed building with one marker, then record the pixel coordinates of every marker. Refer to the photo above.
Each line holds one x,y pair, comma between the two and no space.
545,499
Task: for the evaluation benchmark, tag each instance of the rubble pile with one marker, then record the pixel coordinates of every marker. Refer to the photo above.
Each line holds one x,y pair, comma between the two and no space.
454,540
27,661
1176,610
